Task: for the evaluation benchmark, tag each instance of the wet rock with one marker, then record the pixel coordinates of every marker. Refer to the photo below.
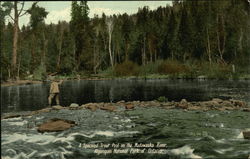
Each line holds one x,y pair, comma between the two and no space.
217,100
91,106
183,104
119,102
246,134
54,125
226,103
246,109
193,108
12,116
211,104
108,108
74,105
238,103
58,107
129,106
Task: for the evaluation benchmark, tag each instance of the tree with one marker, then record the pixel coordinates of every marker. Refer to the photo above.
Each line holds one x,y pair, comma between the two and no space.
37,16
17,14
110,26
79,26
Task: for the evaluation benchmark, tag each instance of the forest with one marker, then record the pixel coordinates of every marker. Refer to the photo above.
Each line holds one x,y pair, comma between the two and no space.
186,39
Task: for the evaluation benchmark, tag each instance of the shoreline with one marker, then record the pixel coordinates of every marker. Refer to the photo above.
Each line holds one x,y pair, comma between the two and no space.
29,82
214,104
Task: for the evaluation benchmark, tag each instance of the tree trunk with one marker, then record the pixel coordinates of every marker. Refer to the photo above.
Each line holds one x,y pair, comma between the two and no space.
144,50
60,50
221,36
43,61
240,41
15,39
110,51
208,48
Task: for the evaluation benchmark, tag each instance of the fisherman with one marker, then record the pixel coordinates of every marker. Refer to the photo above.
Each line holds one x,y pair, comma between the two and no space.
54,91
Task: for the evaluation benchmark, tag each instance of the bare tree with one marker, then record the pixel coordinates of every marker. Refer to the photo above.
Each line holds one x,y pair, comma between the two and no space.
110,25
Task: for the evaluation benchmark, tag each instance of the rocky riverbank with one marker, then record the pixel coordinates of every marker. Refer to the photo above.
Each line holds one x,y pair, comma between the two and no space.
20,82
214,104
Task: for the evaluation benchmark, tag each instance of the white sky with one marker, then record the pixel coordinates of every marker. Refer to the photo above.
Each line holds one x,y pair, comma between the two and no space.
60,10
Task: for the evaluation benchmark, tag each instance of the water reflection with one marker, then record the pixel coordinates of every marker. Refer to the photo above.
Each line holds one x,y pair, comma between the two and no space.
33,97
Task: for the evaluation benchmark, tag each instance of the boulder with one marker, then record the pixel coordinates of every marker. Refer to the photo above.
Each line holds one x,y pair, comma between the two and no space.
226,103
55,125
217,100
108,108
119,102
238,103
74,105
57,107
211,104
183,104
246,134
11,116
129,106
91,106
246,109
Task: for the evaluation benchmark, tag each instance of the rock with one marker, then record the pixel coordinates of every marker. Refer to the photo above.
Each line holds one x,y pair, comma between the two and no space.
211,104
217,100
226,103
74,105
57,107
246,109
12,116
54,125
108,107
129,106
119,102
183,104
246,134
193,108
238,103
91,106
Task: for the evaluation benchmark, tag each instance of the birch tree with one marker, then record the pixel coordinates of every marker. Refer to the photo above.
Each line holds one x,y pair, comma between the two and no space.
110,25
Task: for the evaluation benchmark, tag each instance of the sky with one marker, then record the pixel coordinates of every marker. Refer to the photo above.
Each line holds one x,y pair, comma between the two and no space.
60,10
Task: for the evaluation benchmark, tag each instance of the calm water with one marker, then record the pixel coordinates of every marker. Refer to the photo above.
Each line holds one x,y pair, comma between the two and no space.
34,97
186,134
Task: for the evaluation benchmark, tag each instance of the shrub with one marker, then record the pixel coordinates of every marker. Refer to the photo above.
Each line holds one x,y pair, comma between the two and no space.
162,99
127,68
215,70
172,67
40,73
150,68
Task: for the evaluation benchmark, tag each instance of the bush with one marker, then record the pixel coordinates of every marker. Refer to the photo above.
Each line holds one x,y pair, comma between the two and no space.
40,73
126,68
172,67
162,99
150,68
215,70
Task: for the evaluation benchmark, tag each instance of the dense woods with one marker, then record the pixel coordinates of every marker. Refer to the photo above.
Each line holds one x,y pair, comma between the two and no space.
191,38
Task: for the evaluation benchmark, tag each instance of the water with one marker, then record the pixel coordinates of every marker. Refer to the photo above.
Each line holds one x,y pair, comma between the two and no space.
192,134
34,97
186,134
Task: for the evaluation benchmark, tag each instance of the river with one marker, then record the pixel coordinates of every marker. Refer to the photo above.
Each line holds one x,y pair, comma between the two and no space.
183,134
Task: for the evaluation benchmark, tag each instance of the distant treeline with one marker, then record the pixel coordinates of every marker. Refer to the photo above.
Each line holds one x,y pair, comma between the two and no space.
216,32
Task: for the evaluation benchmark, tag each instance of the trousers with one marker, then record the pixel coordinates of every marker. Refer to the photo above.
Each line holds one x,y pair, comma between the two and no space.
53,95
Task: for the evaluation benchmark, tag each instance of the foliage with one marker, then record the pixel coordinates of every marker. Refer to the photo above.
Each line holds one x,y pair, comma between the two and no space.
187,39
172,67
126,68
40,73
162,99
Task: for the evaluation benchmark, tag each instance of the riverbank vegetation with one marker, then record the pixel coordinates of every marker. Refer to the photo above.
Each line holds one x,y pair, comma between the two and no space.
189,39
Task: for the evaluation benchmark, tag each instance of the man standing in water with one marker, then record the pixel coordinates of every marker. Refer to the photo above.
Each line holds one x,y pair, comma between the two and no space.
54,91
